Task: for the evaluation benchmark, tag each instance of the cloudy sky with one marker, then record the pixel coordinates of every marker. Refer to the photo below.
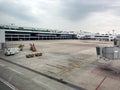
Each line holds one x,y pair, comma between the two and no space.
89,15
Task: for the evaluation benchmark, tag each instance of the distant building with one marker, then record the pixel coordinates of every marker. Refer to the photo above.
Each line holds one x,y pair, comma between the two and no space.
85,35
95,36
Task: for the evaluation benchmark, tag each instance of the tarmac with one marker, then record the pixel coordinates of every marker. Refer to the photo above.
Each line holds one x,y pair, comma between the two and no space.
4,86
64,65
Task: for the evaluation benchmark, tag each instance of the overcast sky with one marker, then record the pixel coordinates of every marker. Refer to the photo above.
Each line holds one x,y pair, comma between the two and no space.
89,15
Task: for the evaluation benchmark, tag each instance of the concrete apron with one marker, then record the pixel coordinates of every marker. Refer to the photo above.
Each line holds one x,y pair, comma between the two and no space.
18,81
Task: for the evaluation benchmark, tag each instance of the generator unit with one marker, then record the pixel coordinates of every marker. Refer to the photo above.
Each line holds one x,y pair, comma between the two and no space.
11,51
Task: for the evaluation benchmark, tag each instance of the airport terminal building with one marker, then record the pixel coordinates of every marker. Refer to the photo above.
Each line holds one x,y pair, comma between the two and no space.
15,33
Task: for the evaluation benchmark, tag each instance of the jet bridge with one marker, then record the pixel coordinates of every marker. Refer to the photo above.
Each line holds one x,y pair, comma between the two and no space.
110,53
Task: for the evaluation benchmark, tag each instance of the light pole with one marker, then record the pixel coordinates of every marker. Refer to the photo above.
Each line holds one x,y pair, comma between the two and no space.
113,32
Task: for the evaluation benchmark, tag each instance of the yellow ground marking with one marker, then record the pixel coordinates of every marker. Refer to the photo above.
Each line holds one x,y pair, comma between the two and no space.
55,66
70,66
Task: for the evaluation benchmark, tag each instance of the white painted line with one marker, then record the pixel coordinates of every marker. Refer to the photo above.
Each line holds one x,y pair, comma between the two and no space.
8,84
2,65
15,70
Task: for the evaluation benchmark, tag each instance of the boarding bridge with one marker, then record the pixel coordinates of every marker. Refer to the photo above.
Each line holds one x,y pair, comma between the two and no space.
110,53
2,39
